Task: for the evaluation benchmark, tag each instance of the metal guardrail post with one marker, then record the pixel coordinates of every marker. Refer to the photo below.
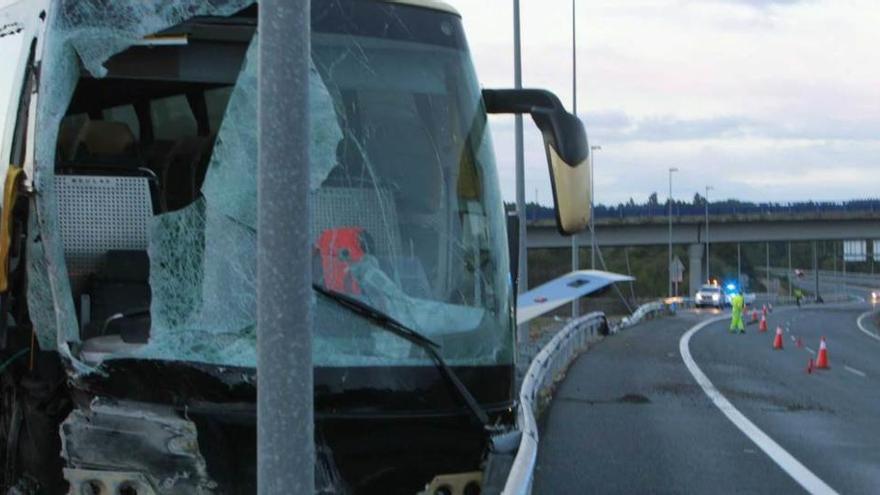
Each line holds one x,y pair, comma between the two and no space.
285,424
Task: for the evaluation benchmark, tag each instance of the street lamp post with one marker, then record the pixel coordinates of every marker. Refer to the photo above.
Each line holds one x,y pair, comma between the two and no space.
593,150
519,157
708,188
671,170
575,246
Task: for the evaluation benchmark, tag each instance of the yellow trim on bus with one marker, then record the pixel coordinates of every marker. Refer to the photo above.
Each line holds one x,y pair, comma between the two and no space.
14,176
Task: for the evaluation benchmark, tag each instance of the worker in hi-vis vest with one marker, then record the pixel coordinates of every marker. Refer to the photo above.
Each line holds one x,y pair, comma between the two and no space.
737,305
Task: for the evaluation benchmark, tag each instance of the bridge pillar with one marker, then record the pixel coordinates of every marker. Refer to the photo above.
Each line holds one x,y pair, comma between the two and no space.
695,257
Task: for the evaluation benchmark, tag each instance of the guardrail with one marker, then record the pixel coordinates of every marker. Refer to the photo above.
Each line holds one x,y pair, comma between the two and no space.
648,310
547,368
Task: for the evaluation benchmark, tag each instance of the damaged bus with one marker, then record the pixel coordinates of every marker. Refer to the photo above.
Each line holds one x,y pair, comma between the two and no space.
128,236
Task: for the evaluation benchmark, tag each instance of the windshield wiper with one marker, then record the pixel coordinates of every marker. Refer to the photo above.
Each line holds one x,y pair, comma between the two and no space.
389,323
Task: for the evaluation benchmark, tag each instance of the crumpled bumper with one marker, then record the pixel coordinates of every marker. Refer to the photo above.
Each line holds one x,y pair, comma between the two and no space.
129,447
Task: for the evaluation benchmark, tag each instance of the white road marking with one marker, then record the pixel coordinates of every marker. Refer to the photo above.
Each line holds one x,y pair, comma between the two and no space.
863,328
811,351
798,472
854,371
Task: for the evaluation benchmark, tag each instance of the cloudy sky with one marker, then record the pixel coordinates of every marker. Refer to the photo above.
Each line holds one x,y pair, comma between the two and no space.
762,99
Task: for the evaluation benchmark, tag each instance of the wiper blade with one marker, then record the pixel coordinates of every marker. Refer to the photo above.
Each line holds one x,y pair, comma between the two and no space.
389,323
383,319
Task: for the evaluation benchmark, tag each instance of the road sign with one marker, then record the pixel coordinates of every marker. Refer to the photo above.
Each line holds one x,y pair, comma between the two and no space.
677,270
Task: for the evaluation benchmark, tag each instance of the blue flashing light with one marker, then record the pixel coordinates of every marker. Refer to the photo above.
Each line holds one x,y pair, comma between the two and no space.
731,287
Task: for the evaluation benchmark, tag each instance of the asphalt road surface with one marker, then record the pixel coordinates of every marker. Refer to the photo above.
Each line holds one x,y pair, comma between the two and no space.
630,417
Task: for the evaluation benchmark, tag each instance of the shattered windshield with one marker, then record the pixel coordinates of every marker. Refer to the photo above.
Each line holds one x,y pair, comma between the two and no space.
406,212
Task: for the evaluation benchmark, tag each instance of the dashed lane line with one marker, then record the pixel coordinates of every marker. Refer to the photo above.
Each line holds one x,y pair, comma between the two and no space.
854,371
811,351
798,472
860,323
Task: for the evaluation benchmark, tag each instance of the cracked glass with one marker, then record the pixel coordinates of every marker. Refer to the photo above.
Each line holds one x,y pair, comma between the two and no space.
406,212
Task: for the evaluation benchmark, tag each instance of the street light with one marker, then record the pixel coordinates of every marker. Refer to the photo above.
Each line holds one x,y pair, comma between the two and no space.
671,170
575,245
708,188
593,149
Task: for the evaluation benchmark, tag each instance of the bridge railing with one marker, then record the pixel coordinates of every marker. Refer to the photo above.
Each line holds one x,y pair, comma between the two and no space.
545,370
535,212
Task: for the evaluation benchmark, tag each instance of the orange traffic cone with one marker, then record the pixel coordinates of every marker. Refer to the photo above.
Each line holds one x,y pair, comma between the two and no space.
822,358
754,315
777,342
763,326
764,310
810,366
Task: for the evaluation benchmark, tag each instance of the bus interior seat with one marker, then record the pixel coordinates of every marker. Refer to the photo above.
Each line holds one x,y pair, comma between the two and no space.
121,286
183,169
69,137
104,231
104,144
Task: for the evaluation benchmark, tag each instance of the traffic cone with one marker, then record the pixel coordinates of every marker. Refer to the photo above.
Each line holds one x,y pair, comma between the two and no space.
822,358
777,342
754,316
810,366
800,344
764,310
763,326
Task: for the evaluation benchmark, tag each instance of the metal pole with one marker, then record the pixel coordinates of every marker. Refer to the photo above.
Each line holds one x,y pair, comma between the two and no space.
593,150
671,170
575,246
523,282
789,270
285,389
708,275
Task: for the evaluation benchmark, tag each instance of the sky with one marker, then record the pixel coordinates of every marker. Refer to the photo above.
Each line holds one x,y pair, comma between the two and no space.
763,100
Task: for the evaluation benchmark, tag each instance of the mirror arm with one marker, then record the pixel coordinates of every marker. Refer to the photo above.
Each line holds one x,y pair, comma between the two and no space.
549,115
520,101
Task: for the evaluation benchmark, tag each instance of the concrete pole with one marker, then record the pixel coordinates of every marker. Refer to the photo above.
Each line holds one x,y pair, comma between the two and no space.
523,282
789,270
768,270
695,262
285,389
708,274
816,267
575,246
739,273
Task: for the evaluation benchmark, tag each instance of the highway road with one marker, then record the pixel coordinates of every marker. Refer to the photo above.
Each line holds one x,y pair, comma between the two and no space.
631,417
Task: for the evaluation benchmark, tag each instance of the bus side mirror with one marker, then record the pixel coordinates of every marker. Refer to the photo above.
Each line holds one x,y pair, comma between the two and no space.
565,143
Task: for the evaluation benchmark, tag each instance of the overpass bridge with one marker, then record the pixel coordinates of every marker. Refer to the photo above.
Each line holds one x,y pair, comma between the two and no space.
732,228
